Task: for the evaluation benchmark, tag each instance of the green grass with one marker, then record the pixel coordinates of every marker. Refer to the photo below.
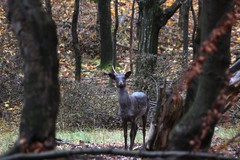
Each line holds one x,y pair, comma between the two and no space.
226,132
99,136
7,139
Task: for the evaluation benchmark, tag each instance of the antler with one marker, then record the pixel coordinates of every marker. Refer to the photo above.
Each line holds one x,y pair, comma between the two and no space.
125,68
121,71
113,69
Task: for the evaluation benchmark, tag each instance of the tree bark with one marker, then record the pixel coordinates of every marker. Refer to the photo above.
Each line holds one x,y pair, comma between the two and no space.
192,89
37,37
197,39
185,26
75,42
148,39
105,33
191,133
131,37
152,17
167,115
114,59
114,54
48,7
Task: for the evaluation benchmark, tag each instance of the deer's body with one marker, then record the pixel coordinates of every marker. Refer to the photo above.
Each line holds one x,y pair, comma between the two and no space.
131,107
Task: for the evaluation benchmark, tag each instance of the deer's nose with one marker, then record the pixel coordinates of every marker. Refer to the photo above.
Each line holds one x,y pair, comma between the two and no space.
121,84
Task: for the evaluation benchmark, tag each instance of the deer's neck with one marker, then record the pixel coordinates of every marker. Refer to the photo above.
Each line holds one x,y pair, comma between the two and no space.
123,97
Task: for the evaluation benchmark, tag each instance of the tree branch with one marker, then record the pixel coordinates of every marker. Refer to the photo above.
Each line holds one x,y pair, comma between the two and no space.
161,2
235,67
143,154
172,9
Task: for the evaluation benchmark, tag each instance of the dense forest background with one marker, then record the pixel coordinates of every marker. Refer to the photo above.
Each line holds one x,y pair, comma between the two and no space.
92,76
90,102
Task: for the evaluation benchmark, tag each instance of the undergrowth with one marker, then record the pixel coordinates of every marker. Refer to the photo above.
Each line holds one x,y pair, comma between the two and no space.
99,136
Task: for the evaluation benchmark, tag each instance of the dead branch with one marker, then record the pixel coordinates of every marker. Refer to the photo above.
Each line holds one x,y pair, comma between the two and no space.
143,154
126,47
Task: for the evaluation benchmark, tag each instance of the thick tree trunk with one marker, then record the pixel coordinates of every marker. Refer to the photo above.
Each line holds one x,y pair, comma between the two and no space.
76,46
105,32
37,37
48,7
192,133
148,29
148,39
151,19
192,89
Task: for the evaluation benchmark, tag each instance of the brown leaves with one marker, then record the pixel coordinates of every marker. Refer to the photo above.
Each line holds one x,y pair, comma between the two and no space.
35,147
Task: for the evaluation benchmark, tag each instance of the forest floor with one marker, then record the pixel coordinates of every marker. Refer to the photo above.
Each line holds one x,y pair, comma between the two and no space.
223,142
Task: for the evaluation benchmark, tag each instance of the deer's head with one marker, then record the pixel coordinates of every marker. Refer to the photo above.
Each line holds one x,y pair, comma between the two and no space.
120,78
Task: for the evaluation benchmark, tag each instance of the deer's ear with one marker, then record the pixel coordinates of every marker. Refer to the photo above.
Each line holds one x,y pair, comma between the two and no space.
111,75
128,74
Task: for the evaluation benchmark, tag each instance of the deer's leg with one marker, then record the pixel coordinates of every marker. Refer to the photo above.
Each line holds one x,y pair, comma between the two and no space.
136,129
144,122
124,124
133,133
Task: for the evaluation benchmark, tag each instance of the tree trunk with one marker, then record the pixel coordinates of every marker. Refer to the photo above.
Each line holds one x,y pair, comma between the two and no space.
192,89
37,37
131,37
114,59
191,133
180,18
152,17
185,26
148,39
114,56
196,41
48,7
105,33
168,112
76,47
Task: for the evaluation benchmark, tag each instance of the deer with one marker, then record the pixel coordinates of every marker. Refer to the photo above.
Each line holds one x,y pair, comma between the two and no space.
131,107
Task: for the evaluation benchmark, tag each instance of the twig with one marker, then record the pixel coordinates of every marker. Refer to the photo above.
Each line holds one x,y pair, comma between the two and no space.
126,47
62,142
143,154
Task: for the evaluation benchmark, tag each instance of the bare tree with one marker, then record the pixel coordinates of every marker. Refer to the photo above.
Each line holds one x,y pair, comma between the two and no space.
131,37
185,27
37,37
105,32
196,128
75,42
48,7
